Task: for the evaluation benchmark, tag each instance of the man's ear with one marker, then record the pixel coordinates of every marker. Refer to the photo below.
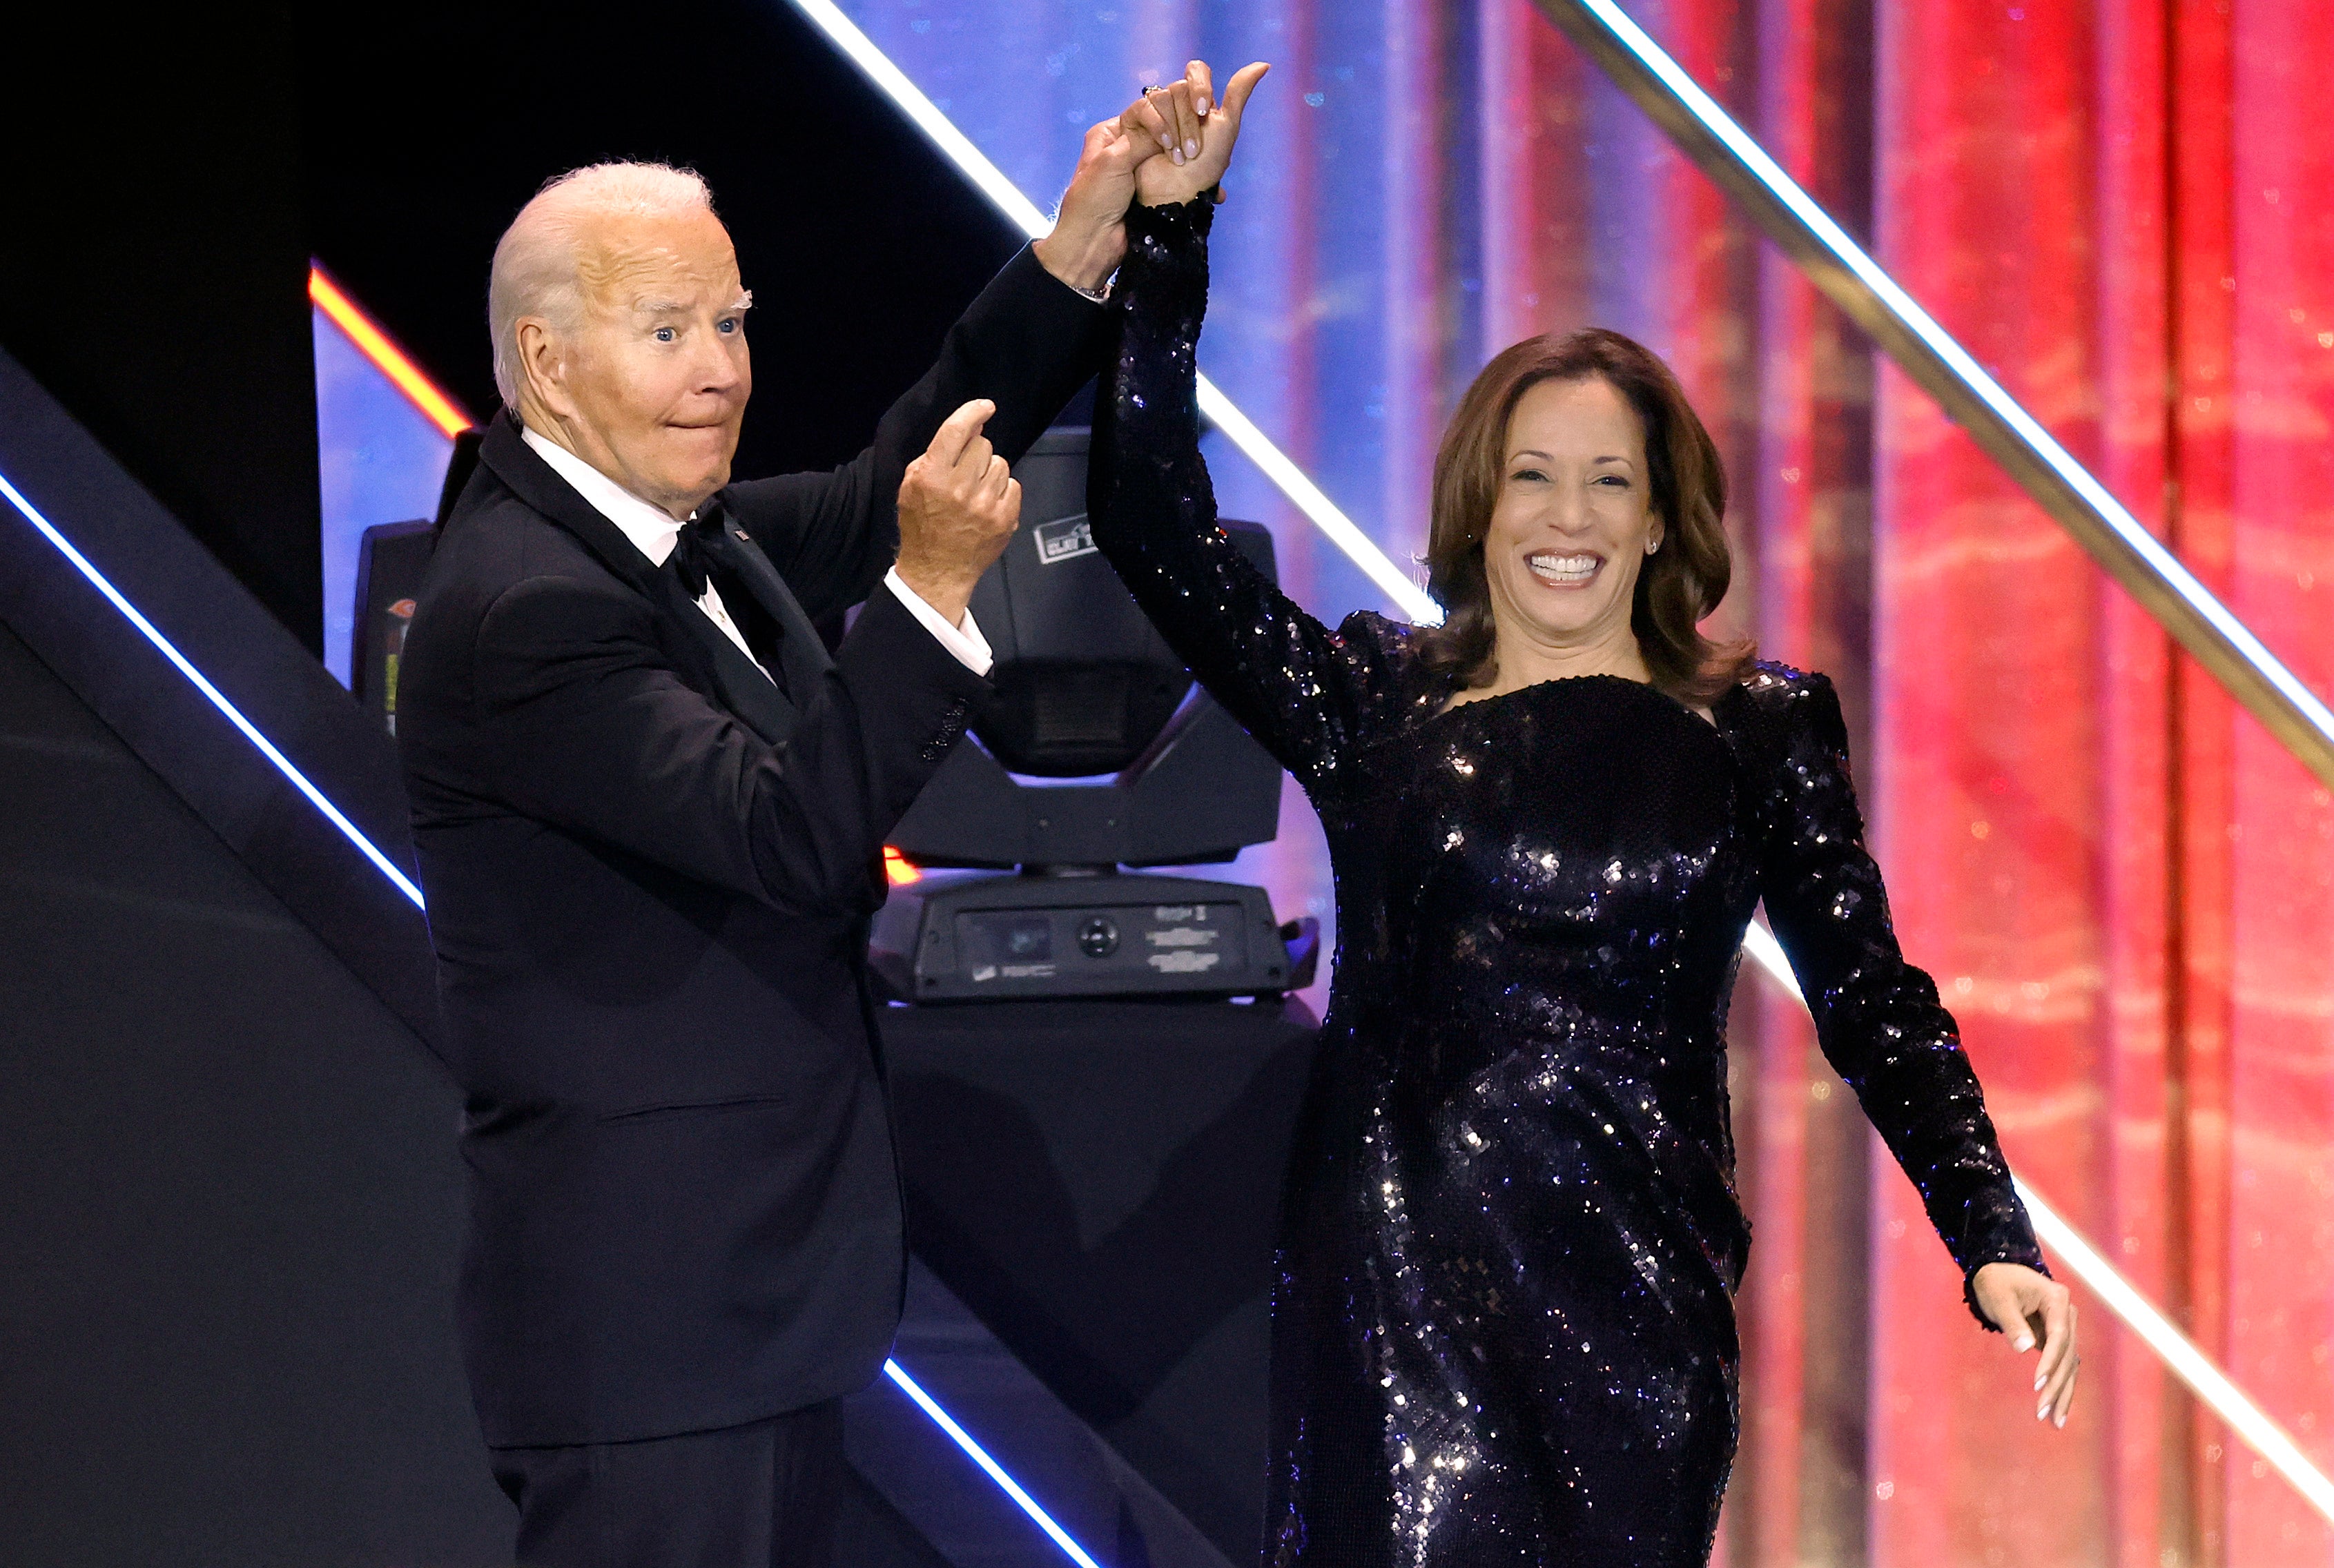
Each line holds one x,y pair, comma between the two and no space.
542,367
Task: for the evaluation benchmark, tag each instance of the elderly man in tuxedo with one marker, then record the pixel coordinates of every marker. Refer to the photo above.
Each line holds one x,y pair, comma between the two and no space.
649,807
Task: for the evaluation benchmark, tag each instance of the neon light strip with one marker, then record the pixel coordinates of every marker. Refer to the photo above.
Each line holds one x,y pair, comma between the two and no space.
1219,409
218,698
996,1472
391,360
2120,1296
1908,313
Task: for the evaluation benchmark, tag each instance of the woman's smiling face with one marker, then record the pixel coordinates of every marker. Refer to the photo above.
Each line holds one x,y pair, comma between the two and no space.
1574,520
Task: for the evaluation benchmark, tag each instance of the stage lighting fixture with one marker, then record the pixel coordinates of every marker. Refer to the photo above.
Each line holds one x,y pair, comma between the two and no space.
1096,752
391,559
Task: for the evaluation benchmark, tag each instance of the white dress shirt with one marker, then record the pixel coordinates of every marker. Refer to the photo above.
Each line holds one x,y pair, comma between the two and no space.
653,532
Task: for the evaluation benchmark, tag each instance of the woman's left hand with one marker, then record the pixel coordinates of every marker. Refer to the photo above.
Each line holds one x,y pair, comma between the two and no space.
2034,1310
1194,131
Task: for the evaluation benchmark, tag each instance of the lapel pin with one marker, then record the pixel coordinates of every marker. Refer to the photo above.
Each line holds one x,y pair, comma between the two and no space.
741,534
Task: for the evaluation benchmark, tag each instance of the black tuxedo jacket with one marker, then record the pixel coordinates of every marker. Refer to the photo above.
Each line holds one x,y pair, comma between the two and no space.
649,871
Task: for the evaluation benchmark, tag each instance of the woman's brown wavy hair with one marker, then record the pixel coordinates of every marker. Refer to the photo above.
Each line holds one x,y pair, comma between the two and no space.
1677,585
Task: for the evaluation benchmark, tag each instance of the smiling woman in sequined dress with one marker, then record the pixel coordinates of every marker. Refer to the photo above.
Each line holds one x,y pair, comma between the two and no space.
1503,1326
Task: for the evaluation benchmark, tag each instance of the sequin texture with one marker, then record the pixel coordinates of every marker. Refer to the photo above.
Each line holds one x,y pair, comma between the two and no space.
1503,1328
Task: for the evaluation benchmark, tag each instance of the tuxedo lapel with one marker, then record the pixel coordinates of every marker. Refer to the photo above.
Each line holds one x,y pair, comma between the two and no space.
533,481
717,666
742,684
800,650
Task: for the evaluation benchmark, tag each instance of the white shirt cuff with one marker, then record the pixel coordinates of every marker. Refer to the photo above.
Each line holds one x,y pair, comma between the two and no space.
964,640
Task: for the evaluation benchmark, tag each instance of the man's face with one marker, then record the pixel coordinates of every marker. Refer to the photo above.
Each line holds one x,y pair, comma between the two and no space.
653,388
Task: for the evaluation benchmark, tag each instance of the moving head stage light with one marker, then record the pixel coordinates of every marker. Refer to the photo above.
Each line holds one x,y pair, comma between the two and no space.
1097,752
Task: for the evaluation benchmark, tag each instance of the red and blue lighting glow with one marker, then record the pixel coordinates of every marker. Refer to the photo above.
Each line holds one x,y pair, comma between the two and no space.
2125,887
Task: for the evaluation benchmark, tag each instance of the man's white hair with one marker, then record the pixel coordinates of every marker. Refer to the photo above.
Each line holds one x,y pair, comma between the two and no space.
539,260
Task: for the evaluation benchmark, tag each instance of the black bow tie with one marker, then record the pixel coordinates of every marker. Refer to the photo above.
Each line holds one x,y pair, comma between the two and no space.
691,559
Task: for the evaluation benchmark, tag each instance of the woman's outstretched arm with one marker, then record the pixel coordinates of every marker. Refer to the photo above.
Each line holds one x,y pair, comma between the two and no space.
1309,695
1881,1025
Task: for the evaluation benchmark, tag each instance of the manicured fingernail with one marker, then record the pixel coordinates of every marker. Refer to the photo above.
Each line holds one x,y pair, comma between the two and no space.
1203,109
2038,1382
2061,1420
2026,1342
2042,1411
1190,148
1177,154
1166,142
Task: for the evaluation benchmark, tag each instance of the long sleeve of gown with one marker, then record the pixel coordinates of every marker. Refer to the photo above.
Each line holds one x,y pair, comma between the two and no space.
1309,695
1878,1017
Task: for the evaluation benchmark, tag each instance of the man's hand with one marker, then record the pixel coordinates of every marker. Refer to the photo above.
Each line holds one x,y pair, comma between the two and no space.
1089,236
959,506
1198,130
2035,1311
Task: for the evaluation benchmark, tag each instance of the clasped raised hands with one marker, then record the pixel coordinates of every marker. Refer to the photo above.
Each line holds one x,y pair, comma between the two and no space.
1193,130
1167,147
959,506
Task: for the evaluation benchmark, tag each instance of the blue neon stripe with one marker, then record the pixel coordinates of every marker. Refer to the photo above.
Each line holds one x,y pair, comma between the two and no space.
333,813
946,1423
1922,325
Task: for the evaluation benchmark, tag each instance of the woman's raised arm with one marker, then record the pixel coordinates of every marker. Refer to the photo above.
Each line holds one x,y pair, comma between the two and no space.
1311,696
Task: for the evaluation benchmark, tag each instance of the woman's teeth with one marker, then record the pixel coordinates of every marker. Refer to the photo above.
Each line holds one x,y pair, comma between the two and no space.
1563,569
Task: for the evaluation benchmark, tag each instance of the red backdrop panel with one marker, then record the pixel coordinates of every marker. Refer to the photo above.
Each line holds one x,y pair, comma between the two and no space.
1988,753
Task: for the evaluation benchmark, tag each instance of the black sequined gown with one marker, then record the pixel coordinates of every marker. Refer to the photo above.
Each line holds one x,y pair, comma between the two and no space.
1503,1327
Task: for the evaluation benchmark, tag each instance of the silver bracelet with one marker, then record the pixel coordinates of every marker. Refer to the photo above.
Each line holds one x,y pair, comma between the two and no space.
1100,296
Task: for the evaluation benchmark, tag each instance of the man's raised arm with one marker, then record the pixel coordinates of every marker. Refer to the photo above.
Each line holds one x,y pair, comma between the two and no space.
1034,336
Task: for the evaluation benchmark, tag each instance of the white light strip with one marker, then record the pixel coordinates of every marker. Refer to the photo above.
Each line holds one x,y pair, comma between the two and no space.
1760,944
1908,312
2179,1352
1219,410
218,698
2121,1297
996,1472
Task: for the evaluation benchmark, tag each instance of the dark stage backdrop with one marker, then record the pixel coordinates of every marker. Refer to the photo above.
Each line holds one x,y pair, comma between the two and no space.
154,264
427,126
229,1195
